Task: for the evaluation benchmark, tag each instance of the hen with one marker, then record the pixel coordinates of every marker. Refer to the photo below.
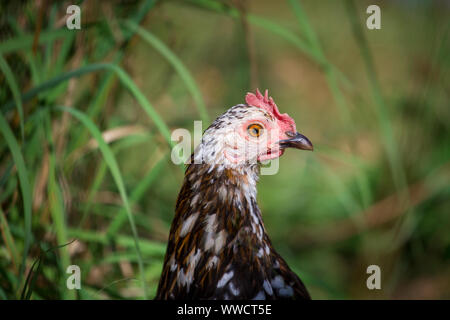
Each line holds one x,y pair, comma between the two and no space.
218,247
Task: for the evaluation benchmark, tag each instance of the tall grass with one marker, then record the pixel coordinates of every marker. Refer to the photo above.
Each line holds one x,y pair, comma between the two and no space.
55,196
69,194
25,188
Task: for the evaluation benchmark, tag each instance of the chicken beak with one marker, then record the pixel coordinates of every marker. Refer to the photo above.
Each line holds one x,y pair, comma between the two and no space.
296,140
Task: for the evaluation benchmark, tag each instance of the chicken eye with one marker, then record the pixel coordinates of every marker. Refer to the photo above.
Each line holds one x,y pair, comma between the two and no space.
255,130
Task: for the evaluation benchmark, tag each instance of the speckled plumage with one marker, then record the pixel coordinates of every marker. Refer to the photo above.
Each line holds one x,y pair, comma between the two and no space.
218,247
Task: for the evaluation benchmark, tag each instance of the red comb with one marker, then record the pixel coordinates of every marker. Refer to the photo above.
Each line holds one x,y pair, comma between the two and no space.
265,102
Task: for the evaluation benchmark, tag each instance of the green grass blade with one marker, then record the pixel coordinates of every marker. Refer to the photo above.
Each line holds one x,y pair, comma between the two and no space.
3,295
137,194
9,76
101,172
381,108
320,57
139,16
9,240
56,207
57,211
176,63
95,106
27,96
150,248
24,186
276,29
145,104
33,58
124,78
115,172
63,53
31,279
385,124
26,41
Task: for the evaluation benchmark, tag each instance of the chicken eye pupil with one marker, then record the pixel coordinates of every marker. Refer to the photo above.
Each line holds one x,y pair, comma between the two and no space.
254,130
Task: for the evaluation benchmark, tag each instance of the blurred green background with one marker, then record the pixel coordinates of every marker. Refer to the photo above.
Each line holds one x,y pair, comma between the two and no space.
86,116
